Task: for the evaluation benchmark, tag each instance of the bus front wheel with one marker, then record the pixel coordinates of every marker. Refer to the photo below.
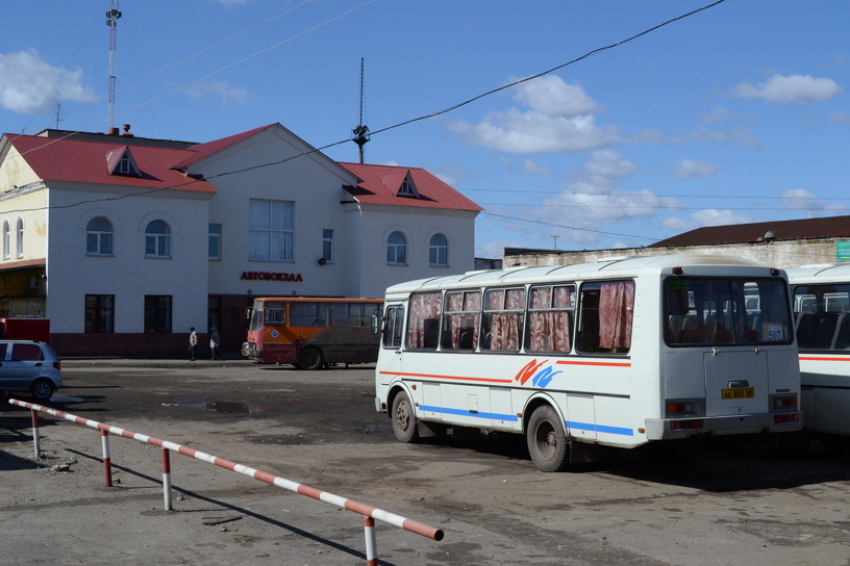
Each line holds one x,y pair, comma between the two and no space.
404,419
547,441
310,358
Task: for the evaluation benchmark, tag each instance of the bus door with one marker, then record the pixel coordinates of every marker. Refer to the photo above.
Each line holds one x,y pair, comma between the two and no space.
390,358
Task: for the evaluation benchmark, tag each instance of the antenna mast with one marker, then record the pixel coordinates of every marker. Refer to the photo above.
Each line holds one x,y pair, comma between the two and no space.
112,21
361,132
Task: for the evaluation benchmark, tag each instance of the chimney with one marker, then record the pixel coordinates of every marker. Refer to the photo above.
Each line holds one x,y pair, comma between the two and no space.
113,132
126,133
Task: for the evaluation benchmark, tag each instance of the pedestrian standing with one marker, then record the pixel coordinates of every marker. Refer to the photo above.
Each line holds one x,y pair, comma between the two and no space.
193,343
215,341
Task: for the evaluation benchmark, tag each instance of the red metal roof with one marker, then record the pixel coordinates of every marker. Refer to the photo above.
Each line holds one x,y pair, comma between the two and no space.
805,229
79,161
200,151
380,184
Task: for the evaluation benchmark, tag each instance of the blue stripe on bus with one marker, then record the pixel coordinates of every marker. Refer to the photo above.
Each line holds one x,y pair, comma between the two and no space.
513,418
467,413
600,428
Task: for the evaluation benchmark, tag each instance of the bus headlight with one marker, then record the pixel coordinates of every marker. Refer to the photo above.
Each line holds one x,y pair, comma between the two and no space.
684,408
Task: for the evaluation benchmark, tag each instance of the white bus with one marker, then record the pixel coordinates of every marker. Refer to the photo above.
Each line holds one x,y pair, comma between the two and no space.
822,310
617,353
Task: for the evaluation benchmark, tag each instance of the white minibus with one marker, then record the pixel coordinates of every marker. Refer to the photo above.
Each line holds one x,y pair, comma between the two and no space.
619,353
822,310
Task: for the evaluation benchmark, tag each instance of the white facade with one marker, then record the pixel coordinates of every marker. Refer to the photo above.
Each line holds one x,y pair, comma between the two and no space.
205,187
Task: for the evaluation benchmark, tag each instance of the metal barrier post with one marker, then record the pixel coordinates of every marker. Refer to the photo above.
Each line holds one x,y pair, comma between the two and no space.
166,478
107,461
35,440
371,541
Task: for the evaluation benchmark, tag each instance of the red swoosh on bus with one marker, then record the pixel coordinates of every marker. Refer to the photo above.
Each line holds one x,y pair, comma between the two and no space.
529,370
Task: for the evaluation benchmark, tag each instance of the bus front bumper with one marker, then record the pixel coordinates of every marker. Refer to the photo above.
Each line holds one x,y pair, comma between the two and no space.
668,429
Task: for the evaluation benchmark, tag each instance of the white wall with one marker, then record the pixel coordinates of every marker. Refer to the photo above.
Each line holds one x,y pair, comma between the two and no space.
374,275
127,274
312,182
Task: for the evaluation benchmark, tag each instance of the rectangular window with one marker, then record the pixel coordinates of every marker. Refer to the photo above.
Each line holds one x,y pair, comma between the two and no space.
605,322
271,230
215,241
158,313
823,316
503,319
345,315
393,324
308,314
725,311
423,328
550,318
460,321
328,245
100,313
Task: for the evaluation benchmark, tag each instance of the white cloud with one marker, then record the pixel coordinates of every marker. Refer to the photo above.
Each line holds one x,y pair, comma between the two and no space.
590,202
706,217
840,116
551,95
803,200
534,168
30,85
690,169
790,90
558,118
228,94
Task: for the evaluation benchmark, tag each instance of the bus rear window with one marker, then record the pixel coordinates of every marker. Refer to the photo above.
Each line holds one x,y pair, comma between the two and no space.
726,311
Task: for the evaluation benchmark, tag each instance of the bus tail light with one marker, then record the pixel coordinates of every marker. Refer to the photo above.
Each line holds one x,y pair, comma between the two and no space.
779,419
686,425
785,402
684,408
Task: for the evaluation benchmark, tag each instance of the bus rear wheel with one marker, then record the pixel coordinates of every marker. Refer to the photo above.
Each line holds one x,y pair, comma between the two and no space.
310,358
547,441
404,419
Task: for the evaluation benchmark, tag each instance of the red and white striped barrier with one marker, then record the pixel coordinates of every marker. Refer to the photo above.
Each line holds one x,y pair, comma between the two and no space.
369,513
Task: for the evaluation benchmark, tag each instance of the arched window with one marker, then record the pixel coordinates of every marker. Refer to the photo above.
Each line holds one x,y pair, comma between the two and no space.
99,236
5,239
19,231
157,239
397,249
438,253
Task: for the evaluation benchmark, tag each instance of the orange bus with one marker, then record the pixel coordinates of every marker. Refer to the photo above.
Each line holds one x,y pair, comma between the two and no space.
312,332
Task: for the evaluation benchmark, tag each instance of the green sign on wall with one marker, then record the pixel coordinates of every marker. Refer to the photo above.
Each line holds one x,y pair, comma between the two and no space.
842,251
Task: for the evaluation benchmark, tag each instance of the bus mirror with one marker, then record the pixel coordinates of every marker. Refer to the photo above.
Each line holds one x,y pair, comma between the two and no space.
374,323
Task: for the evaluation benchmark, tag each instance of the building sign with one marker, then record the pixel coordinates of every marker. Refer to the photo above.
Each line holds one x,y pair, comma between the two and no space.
267,276
842,251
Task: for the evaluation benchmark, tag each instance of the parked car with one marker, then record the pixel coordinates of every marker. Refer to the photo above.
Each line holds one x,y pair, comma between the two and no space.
29,365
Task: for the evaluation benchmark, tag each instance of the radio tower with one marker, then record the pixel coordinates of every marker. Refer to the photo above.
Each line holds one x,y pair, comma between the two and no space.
112,21
361,132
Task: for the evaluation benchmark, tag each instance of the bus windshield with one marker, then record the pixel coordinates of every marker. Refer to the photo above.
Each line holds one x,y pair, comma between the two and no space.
726,311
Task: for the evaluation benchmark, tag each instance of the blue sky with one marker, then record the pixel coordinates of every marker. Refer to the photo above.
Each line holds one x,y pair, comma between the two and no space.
738,113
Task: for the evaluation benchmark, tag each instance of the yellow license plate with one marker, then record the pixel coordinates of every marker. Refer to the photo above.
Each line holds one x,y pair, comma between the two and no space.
743,393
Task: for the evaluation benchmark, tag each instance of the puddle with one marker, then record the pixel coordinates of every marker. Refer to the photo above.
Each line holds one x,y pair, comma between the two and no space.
64,399
230,407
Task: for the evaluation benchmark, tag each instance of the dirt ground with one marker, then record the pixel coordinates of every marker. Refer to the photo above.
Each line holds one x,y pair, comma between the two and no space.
743,503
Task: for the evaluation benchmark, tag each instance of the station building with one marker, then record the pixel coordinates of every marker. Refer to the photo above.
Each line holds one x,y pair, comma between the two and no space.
126,242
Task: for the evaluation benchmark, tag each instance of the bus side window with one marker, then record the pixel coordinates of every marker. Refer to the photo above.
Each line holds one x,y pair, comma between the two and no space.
423,326
606,317
392,327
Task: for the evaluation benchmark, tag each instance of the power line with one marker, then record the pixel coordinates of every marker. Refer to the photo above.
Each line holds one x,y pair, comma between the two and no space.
398,125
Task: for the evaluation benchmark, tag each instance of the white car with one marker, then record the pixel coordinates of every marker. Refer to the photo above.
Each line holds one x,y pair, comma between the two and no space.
29,365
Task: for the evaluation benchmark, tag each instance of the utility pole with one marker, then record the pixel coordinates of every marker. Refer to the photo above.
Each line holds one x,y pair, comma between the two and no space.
112,21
